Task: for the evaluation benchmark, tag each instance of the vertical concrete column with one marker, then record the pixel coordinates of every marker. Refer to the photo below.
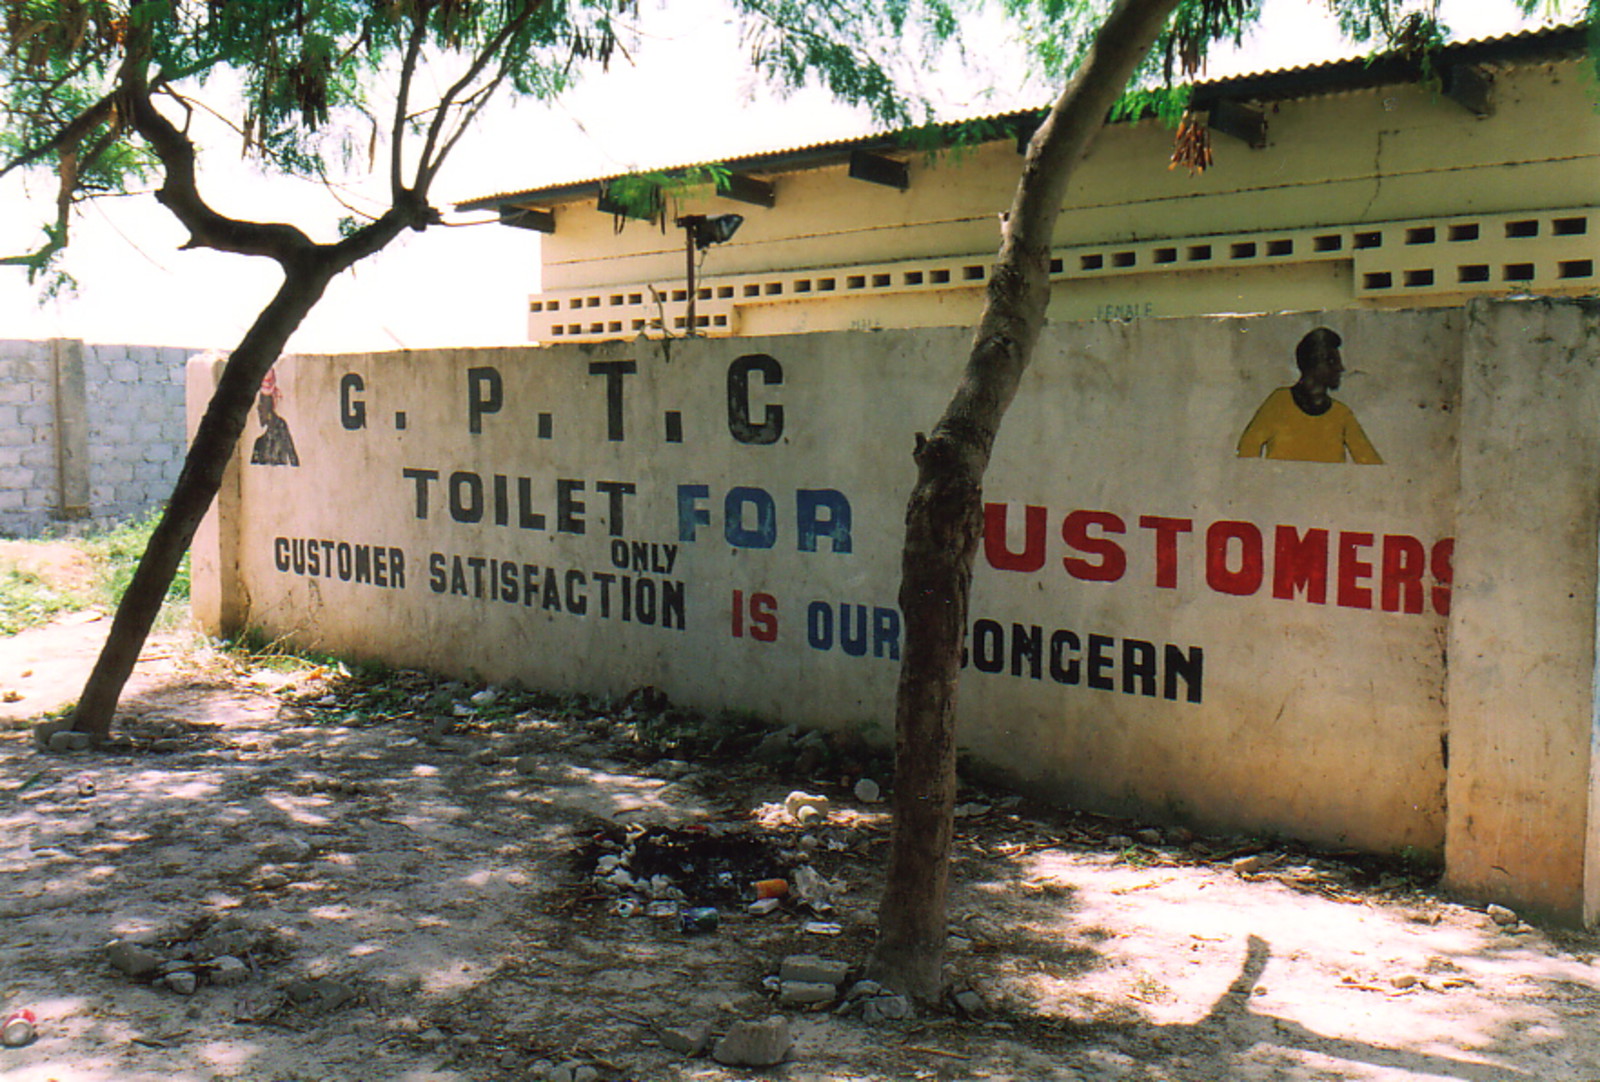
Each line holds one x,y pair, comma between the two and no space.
71,405
1520,825
217,597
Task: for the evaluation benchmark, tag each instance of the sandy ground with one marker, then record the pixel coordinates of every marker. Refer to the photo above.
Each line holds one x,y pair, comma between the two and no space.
411,893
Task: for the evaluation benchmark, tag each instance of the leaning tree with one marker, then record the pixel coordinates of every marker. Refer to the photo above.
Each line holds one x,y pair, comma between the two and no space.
1109,48
101,92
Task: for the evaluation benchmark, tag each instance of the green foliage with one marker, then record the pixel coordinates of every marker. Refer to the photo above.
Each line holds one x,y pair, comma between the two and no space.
654,196
28,600
116,552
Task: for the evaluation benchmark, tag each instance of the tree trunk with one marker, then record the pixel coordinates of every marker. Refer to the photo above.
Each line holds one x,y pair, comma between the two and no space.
213,446
944,518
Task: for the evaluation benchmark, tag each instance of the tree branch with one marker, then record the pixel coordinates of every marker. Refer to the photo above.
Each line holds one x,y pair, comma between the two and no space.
179,192
428,164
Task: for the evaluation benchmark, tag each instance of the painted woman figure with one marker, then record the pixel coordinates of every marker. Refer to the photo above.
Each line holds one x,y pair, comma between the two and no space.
1304,423
275,446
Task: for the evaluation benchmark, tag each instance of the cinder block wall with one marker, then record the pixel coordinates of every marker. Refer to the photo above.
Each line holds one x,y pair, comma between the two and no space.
27,437
136,435
89,434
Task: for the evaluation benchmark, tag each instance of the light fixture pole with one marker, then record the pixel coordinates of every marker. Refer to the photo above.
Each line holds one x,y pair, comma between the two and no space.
699,233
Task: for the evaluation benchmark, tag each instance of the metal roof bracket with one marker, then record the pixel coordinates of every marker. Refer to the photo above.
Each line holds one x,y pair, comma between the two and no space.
747,189
876,169
1470,87
1240,121
542,221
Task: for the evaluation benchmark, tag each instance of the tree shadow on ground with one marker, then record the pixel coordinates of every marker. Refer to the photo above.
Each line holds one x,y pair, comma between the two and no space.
1231,1027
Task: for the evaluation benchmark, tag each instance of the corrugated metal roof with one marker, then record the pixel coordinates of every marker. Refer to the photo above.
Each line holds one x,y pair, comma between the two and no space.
1332,76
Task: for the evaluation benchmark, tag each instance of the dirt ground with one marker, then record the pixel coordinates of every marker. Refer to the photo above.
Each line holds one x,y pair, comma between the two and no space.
407,873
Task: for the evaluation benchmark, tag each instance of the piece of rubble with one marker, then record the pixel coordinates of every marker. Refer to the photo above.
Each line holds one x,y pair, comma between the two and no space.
182,981
227,970
1502,916
813,968
285,850
754,1044
868,791
806,993
892,1008
687,1040
132,959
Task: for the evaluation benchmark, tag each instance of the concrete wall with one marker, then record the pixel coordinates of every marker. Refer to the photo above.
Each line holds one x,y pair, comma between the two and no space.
88,433
1159,625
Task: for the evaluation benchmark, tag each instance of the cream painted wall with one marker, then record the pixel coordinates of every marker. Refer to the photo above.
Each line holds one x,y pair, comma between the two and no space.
1180,671
1402,159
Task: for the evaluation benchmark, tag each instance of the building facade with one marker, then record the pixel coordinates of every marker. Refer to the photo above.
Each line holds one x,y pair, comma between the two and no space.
1352,184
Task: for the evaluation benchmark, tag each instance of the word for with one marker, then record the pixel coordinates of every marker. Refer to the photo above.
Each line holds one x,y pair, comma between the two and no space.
468,499
1390,572
376,565
635,599
1100,662
750,517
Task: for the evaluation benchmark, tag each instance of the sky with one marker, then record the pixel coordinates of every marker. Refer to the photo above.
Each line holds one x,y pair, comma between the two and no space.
685,98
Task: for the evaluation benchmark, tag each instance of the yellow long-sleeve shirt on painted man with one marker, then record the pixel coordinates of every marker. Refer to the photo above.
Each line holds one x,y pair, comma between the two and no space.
1283,430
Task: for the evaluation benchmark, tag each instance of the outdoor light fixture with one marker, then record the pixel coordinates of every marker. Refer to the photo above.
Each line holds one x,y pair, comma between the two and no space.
699,233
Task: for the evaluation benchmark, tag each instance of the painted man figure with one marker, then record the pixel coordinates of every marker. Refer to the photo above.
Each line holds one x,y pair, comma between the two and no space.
1304,423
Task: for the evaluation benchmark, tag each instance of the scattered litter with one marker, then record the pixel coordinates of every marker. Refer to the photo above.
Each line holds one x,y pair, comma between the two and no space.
18,1030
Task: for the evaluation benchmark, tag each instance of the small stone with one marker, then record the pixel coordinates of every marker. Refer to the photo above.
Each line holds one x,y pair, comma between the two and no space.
486,757
885,1009
272,881
1501,915
868,791
754,1044
957,944
529,764
1119,841
132,959
183,982
689,1040
773,748
166,745
227,970
433,1035
968,1002
1149,836
806,993
812,968
861,989
319,993
68,740
486,697
462,710
764,906
1405,980
1249,865
972,811
585,1073
284,850
1180,836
